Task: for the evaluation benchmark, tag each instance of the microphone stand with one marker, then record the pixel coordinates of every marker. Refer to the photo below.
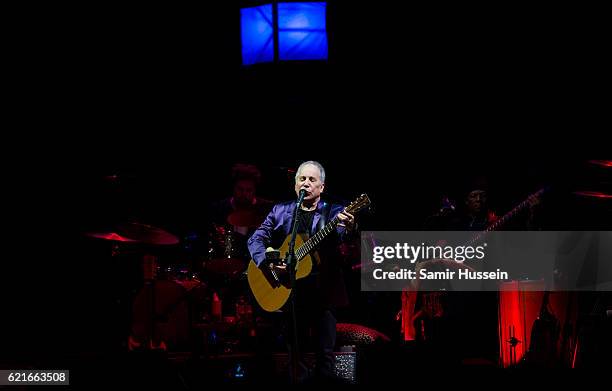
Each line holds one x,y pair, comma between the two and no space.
291,266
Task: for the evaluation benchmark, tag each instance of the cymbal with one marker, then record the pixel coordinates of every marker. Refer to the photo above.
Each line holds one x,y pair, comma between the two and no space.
602,163
245,218
109,236
138,233
594,194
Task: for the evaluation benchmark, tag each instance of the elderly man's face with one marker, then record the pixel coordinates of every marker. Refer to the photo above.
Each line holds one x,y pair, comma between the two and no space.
309,179
477,201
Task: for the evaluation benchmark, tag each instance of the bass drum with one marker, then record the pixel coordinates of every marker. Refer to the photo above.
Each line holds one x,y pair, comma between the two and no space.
160,317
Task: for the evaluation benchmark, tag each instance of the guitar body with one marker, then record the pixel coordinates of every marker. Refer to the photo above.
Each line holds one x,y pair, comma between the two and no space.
271,298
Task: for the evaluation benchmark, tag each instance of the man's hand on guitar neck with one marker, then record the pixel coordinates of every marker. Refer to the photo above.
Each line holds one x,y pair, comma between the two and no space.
347,221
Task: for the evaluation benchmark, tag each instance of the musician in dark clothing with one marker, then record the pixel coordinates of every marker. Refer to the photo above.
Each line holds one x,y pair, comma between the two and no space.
323,291
474,215
231,221
244,203
463,324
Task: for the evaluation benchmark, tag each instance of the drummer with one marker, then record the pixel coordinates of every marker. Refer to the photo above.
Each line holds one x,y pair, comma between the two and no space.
233,220
243,211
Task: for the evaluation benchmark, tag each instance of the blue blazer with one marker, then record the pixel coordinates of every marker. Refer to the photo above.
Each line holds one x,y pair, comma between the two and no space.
277,225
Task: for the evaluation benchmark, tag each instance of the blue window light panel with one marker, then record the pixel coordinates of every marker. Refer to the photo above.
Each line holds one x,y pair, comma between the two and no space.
257,34
301,31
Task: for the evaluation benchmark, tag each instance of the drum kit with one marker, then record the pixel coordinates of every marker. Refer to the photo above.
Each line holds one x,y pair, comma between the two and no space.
175,296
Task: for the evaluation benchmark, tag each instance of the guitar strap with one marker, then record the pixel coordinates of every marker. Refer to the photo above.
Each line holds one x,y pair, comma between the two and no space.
320,225
324,217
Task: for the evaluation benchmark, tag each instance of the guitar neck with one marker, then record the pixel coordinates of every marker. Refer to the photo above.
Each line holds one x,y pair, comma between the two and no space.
499,223
508,216
316,239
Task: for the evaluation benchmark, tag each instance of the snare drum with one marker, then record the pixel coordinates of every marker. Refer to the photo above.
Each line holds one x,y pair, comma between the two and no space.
227,252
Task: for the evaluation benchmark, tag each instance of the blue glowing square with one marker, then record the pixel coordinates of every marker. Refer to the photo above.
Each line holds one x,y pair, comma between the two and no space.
257,34
301,31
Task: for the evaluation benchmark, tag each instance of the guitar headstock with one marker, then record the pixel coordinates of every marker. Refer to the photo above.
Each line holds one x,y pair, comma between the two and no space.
363,201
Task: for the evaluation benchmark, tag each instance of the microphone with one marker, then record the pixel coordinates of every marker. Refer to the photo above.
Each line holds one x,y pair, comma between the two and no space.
301,197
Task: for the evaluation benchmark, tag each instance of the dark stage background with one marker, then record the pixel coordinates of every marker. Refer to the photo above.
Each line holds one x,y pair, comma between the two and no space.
154,78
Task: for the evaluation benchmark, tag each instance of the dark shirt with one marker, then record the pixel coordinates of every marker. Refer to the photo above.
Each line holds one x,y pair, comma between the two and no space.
305,221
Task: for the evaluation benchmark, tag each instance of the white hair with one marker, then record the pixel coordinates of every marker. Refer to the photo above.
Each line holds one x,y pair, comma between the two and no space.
316,164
